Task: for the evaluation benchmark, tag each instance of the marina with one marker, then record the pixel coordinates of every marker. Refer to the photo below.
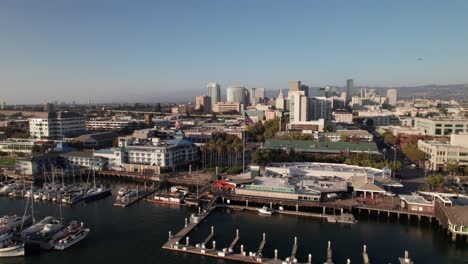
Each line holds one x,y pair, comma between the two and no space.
280,231
181,243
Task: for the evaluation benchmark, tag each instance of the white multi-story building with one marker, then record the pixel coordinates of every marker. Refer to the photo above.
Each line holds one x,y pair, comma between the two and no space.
439,154
280,101
57,125
113,124
153,156
392,96
441,126
343,116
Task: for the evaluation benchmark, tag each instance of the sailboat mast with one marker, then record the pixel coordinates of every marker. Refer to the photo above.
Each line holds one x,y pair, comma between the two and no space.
32,204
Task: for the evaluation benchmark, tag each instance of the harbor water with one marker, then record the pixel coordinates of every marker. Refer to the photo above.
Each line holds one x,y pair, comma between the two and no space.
136,234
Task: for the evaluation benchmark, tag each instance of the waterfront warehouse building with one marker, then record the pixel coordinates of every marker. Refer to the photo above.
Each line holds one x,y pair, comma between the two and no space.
312,181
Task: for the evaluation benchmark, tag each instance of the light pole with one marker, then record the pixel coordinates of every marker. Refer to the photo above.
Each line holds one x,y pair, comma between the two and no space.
394,160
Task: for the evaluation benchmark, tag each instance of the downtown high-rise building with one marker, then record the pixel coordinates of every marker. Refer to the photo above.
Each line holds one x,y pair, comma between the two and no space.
238,94
349,87
392,96
214,91
295,86
257,95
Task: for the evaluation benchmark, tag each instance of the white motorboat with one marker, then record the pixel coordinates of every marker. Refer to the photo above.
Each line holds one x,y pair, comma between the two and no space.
12,249
70,235
72,198
265,210
13,221
71,239
8,188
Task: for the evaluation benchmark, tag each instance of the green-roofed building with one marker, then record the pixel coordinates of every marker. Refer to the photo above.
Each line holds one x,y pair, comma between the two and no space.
310,146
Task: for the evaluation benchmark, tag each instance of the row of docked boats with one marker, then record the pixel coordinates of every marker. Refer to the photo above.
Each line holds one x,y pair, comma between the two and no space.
56,192
48,230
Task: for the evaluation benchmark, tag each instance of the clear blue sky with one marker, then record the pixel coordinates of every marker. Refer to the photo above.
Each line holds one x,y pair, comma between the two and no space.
165,50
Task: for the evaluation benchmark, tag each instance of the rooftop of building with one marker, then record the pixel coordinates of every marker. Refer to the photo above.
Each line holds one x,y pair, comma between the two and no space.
58,115
314,146
415,199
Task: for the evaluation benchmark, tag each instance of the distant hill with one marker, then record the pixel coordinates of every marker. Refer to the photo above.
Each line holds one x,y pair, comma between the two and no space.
453,91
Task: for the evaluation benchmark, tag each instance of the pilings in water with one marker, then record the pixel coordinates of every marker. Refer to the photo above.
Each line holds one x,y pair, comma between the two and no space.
406,259
262,245
209,237
365,257
234,242
293,251
329,254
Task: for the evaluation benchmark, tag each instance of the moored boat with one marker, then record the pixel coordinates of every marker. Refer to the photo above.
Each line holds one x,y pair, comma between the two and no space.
71,235
266,211
12,249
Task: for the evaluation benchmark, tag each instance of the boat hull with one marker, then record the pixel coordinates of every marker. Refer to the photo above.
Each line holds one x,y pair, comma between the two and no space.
13,251
97,196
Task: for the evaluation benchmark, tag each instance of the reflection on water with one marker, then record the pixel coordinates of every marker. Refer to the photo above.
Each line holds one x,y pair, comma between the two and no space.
136,234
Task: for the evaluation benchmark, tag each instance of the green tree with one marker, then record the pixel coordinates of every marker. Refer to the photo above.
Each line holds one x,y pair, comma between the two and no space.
452,167
443,111
435,181
390,139
413,153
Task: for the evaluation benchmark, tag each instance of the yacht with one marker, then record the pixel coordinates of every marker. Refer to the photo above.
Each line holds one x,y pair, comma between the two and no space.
173,197
71,238
49,230
8,188
35,228
97,193
122,191
12,249
13,221
72,198
265,210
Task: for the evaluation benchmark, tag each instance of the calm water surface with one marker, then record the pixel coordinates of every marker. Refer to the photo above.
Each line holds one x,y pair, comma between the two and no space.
136,234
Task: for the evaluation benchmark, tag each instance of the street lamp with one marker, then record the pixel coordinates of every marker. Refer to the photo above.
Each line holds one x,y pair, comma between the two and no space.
394,160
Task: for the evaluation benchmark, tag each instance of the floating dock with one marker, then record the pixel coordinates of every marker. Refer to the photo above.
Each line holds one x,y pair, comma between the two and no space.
181,243
140,195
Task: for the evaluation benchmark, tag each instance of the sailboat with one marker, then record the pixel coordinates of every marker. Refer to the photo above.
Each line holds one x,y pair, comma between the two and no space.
96,192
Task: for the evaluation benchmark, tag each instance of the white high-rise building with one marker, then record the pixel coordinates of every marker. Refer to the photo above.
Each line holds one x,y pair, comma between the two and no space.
298,107
280,102
392,96
214,91
57,125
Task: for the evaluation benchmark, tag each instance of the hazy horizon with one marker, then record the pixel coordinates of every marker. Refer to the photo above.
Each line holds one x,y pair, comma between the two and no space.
127,51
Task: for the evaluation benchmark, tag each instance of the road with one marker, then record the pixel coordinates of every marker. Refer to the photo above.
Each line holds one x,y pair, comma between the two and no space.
412,178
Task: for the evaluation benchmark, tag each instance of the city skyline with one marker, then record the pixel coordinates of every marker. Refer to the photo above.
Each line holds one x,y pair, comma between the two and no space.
117,51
